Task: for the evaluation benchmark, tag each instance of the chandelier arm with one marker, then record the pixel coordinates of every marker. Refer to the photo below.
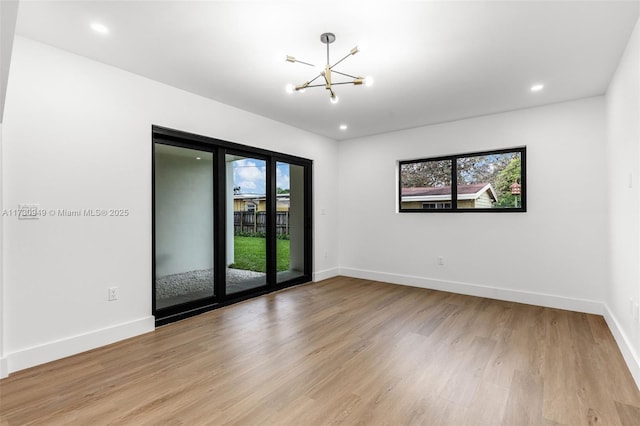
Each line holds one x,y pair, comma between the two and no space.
346,75
315,78
320,85
306,63
336,84
348,54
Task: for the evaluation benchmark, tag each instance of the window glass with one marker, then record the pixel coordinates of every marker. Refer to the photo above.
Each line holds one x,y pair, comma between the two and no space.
489,181
426,185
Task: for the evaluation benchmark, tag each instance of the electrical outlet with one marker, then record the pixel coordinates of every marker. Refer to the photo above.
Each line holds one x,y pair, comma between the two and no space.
113,294
440,260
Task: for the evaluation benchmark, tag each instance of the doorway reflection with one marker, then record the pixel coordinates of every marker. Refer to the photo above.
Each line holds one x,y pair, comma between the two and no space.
289,221
183,225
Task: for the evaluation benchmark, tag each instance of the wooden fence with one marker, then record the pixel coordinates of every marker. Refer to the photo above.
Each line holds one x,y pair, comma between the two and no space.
256,222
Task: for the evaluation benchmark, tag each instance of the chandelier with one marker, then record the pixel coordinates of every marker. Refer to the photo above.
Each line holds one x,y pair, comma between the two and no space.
327,73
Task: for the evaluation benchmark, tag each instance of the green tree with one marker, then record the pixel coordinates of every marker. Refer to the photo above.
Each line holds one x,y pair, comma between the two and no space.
282,191
510,174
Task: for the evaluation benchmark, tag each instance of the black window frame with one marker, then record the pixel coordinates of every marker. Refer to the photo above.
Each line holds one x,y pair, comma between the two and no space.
522,150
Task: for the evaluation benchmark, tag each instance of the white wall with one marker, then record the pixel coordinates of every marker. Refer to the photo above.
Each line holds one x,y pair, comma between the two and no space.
623,140
8,17
77,135
554,255
4,371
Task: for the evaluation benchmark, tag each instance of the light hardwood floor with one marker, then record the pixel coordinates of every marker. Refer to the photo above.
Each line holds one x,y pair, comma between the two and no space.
343,351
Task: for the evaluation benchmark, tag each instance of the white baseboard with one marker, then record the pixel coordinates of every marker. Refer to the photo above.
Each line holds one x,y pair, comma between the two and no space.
629,354
530,298
62,348
326,274
4,369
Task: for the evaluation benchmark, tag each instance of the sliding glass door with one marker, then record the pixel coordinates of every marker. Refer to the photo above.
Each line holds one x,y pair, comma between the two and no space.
229,222
184,260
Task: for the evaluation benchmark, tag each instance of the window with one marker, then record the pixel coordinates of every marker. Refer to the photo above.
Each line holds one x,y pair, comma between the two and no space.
491,181
436,206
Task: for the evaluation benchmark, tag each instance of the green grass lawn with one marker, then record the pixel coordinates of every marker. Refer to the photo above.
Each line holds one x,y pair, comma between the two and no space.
250,253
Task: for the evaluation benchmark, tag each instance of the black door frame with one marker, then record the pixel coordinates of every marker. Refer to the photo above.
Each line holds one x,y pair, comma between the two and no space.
220,148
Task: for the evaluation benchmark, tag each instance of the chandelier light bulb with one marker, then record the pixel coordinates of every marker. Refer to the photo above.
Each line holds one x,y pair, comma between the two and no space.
368,81
334,99
288,88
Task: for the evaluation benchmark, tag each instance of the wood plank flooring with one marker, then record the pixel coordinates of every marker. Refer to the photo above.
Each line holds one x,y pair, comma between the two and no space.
343,351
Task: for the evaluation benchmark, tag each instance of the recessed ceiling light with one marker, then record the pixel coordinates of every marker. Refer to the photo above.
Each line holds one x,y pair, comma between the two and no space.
537,87
198,158
99,28
343,127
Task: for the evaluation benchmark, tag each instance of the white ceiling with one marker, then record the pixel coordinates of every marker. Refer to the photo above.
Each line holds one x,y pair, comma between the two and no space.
432,61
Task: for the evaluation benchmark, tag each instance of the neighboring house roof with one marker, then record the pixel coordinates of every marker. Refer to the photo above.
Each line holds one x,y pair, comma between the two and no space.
257,196
247,196
441,193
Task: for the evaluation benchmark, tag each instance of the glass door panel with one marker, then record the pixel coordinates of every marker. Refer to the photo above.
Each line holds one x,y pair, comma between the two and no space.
184,228
290,214
246,218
